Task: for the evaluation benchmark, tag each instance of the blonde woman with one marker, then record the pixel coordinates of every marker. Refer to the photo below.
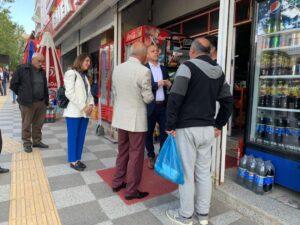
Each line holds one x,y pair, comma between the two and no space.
80,107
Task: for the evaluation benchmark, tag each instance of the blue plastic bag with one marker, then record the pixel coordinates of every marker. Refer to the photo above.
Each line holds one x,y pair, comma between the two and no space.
168,164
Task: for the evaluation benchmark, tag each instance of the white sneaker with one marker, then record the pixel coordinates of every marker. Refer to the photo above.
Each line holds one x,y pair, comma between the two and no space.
173,215
203,220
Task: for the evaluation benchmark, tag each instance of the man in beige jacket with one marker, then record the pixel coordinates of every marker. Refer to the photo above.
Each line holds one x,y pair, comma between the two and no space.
131,84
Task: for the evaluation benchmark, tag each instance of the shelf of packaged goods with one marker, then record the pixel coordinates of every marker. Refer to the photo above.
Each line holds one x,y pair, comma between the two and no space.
279,109
281,77
280,32
290,50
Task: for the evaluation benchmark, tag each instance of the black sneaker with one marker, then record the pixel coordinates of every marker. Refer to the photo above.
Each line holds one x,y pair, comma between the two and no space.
76,167
28,149
3,170
40,145
81,164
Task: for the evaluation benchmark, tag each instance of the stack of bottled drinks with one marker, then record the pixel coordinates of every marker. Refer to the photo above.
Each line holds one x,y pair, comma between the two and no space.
255,174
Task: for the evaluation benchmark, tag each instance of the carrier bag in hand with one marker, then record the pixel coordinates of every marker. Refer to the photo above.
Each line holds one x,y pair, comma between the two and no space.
168,163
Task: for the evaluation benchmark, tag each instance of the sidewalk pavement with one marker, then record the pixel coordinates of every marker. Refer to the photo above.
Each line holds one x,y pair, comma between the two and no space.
80,198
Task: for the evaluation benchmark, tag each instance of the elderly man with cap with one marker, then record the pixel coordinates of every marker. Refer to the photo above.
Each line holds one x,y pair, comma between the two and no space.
131,84
30,84
199,84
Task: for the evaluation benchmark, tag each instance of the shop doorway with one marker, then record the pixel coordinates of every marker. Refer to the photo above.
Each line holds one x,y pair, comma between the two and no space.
240,74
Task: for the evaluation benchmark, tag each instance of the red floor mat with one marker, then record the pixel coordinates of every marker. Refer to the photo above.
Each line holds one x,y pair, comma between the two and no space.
151,183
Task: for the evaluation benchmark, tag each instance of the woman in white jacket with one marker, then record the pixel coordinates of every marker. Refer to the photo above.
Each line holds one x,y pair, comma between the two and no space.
80,107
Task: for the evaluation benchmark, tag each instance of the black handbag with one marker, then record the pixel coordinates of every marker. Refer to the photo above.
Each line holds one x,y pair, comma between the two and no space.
62,100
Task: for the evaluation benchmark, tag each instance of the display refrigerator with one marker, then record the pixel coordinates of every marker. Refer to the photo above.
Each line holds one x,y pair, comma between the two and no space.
273,121
106,63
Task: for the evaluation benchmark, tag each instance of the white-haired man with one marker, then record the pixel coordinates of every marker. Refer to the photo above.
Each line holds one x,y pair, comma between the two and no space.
30,84
131,82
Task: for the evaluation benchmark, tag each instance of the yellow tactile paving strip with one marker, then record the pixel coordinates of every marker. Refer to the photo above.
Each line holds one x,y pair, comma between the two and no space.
31,202
10,145
30,196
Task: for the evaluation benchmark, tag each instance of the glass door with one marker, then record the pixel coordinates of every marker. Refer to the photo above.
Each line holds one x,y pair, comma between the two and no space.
275,119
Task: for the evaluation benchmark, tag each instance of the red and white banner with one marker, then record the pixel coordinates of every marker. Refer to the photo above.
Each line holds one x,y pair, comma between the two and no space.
52,64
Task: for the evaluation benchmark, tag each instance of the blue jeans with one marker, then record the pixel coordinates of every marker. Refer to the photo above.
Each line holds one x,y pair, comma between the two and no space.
4,87
76,135
14,96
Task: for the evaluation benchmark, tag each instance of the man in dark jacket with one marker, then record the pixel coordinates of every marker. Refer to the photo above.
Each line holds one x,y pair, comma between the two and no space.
199,84
5,81
156,110
30,85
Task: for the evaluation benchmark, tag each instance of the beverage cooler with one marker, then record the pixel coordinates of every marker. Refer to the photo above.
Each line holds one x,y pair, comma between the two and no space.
106,63
273,126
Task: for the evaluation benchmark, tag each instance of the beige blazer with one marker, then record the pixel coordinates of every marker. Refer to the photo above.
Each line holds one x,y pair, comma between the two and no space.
76,93
131,86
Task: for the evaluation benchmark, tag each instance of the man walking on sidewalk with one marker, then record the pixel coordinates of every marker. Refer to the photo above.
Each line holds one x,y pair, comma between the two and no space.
131,85
156,110
199,83
30,85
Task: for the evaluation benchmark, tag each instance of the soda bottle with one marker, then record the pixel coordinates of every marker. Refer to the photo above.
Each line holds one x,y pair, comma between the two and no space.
274,64
284,95
265,64
262,93
241,174
292,95
251,164
275,16
268,98
297,93
260,127
279,131
274,94
280,66
259,177
270,173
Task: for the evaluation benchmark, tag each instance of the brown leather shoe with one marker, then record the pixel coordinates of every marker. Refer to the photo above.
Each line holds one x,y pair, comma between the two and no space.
151,163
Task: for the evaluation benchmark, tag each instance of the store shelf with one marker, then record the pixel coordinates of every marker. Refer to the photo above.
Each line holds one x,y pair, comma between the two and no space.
279,109
281,77
290,50
280,32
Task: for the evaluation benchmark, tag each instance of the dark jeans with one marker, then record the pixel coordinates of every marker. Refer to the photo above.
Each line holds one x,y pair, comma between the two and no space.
130,160
33,118
157,116
4,87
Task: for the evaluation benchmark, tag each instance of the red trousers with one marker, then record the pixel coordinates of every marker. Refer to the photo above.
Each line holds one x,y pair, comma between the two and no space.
129,165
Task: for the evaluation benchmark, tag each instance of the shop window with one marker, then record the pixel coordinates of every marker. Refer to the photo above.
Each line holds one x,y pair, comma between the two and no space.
242,12
175,29
214,20
196,26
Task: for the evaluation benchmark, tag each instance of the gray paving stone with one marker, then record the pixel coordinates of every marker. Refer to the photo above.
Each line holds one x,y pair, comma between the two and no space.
88,156
226,218
109,162
115,208
53,153
4,211
66,181
217,208
4,223
59,170
72,196
5,158
244,221
144,217
106,154
104,223
50,141
84,214
160,212
101,190
160,200
94,142
99,147
91,177
5,178
4,192
55,160
94,165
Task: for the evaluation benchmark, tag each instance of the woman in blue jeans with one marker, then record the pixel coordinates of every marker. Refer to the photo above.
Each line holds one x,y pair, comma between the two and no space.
80,107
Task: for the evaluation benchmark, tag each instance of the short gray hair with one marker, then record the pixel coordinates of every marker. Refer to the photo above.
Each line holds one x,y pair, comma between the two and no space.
137,51
199,48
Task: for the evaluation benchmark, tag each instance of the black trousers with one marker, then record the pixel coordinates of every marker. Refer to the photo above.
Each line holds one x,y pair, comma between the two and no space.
158,116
